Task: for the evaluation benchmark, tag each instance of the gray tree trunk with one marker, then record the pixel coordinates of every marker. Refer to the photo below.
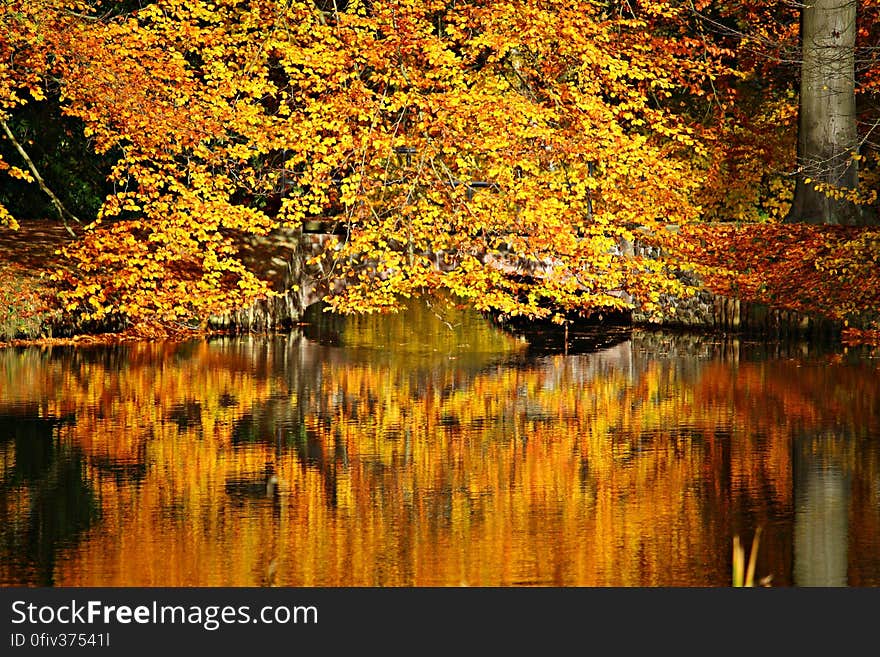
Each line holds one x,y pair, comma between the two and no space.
827,134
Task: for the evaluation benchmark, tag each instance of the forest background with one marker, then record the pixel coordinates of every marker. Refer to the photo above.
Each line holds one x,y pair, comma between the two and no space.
498,152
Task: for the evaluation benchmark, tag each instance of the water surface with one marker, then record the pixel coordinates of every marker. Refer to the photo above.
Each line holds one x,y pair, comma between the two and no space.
431,448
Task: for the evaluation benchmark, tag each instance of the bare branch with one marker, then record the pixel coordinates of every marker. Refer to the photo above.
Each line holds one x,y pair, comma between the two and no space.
63,212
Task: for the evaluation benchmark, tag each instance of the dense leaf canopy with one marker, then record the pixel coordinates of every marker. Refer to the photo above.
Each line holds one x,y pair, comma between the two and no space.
507,151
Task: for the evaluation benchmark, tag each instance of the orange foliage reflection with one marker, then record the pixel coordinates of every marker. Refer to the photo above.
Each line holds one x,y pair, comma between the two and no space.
632,466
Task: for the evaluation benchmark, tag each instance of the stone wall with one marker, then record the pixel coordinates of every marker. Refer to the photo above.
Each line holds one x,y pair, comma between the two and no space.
283,257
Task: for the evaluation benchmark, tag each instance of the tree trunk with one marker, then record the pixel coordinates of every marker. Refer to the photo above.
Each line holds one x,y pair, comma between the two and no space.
827,135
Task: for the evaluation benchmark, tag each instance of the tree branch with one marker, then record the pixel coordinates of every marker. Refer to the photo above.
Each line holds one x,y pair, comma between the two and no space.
62,211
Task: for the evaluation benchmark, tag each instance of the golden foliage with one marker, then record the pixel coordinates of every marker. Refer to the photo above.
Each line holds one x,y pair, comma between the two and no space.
825,271
237,116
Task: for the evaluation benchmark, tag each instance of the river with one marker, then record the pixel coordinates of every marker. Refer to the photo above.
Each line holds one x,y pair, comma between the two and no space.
431,448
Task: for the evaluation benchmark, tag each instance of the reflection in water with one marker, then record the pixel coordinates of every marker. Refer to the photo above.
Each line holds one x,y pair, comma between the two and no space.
430,448
46,499
822,492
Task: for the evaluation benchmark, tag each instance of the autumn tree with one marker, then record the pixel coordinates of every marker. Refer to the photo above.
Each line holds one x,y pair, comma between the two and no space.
828,142
805,87
500,151
60,175
29,32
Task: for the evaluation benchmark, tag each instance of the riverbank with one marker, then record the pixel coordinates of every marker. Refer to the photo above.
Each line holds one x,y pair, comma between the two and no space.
28,313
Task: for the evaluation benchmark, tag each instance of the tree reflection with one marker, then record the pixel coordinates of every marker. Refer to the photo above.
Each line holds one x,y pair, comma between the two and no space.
472,464
822,482
47,500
